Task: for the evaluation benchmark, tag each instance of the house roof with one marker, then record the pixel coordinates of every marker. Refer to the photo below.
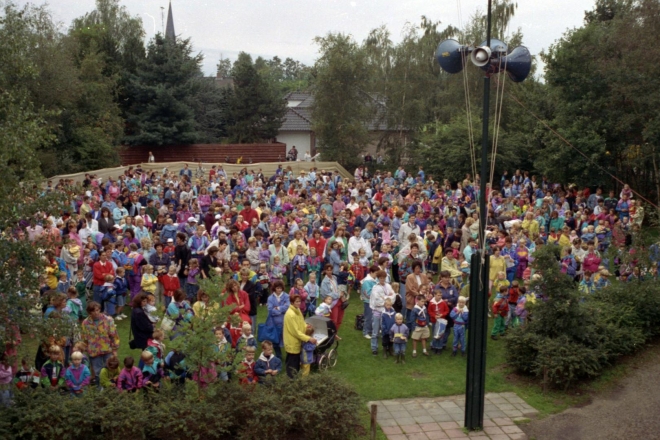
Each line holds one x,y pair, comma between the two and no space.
299,118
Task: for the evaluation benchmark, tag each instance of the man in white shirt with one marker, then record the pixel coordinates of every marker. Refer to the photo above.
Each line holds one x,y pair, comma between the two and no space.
407,229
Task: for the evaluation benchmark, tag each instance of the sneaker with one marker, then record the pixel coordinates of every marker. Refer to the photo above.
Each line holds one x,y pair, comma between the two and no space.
367,336
425,353
375,352
123,316
118,318
414,354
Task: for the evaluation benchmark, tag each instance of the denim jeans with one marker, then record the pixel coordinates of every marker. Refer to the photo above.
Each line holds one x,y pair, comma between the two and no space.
511,315
98,294
375,325
366,330
191,292
98,363
167,300
399,348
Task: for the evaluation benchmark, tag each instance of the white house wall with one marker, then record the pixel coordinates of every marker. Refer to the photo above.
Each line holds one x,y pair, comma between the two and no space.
302,141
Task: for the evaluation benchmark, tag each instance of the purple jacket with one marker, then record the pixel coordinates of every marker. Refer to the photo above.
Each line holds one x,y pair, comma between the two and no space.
129,380
77,378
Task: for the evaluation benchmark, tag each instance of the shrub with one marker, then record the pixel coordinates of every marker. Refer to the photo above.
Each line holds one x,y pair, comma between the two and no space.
571,337
320,406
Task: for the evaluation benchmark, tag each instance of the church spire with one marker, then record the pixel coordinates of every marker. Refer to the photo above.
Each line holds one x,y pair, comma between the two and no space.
169,30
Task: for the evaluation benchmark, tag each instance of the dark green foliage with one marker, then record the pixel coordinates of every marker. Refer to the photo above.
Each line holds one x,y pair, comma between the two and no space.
320,407
571,337
256,108
163,91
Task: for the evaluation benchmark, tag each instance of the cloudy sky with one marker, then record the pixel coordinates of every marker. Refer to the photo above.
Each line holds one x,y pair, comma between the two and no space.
286,27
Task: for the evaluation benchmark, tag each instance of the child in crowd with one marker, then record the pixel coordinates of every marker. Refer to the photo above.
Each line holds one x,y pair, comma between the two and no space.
74,305
342,281
512,299
149,280
150,309
170,282
234,264
110,373
192,273
77,376
152,371
63,283
521,311
27,376
155,345
246,368
246,339
325,307
264,254
277,271
421,320
130,379
6,377
438,311
81,347
399,335
299,264
307,356
500,311
460,315
398,301
223,349
52,372
312,291
386,322
81,288
109,296
314,263
298,289
120,285
263,283
268,365
501,281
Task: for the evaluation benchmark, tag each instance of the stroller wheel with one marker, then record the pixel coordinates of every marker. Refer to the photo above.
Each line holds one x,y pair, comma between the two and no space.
332,358
323,363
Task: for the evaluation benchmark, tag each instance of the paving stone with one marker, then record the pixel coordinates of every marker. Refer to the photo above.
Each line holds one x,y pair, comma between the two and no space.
436,411
494,414
508,394
490,406
417,436
406,421
418,412
391,430
449,425
413,406
397,437
511,430
497,400
515,400
387,422
442,418
424,419
458,417
489,395
437,435
493,430
506,407
400,414
411,429
489,422
448,405
431,426
389,403
504,421
513,413
518,436
500,437
454,433
430,405
384,415
477,434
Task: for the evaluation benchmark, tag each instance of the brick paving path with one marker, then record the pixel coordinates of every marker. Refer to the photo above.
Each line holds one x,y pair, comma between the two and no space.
442,418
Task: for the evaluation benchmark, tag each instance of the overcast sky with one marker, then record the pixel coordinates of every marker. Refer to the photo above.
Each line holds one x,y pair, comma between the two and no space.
286,27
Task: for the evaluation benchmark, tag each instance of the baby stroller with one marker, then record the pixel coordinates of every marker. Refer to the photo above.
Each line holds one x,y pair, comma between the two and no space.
325,355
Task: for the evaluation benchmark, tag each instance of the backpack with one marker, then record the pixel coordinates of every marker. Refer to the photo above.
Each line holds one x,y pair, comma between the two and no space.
359,322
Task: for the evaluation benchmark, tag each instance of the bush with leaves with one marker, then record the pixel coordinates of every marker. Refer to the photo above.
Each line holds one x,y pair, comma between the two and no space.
572,337
321,407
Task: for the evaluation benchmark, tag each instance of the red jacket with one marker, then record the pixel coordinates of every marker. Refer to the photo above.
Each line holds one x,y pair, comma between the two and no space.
101,270
248,214
170,284
514,294
440,308
319,245
500,307
246,372
244,300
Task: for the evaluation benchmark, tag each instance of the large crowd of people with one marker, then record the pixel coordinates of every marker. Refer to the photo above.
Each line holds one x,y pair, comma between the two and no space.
395,244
